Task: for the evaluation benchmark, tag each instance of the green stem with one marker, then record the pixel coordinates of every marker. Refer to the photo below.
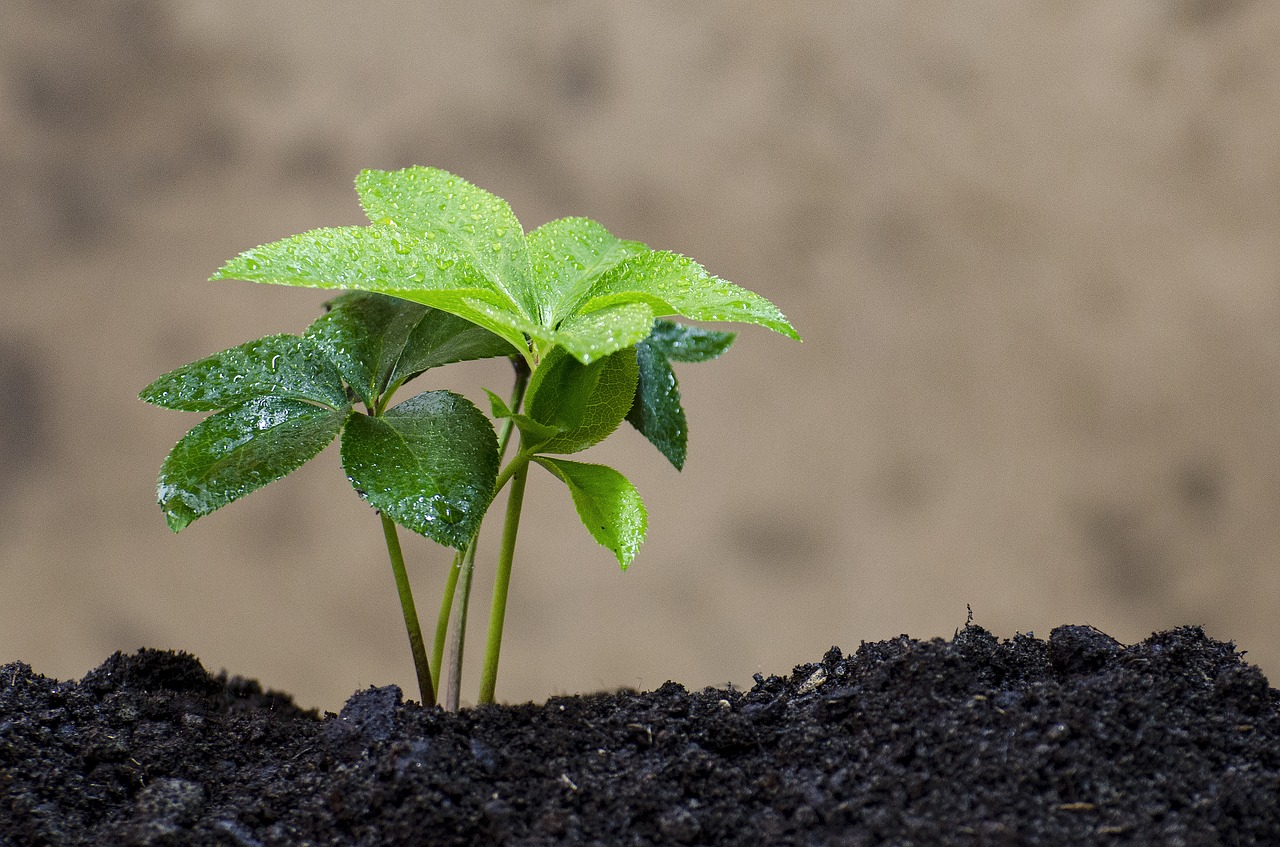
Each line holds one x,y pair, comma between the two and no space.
442,619
502,580
425,686
458,642
460,586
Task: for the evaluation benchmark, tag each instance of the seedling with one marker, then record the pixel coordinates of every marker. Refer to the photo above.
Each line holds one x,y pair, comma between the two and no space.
444,273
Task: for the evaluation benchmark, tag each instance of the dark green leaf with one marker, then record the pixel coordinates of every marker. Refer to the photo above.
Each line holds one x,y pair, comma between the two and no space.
688,343
365,334
608,504
440,338
380,342
239,450
656,411
278,365
430,464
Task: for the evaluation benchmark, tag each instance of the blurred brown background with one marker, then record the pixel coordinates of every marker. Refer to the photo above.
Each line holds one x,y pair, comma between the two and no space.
1032,248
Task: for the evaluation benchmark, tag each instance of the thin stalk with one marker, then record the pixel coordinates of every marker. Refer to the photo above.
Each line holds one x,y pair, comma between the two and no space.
459,590
452,697
502,580
442,619
425,686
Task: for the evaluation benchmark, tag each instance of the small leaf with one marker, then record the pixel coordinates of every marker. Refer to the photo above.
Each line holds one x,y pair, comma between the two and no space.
608,504
594,334
380,342
364,334
676,285
498,406
569,256
437,205
595,412
239,450
560,389
688,343
440,338
657,412
278,365
430,464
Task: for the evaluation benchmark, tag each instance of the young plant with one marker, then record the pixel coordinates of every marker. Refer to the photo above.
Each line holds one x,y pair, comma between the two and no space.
445,273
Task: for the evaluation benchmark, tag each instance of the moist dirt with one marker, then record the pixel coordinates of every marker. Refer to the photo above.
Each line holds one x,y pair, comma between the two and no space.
1077,740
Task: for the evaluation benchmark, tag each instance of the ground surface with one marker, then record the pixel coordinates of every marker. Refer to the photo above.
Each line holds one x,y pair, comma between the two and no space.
1072,741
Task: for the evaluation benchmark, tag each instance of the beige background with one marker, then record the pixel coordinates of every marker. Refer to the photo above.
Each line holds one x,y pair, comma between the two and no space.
1032,248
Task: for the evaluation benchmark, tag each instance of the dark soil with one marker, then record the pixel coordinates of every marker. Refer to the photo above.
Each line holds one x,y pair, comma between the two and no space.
1077,740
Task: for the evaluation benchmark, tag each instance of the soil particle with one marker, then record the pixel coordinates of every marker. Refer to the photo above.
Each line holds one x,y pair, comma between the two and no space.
1077,740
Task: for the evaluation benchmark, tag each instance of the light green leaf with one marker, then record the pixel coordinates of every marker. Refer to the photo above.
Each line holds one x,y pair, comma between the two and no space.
676,285
430,464
278,365
386,260
612,382
608,504
438,206
594,334
239,450
569,256
498,406
532,433
438,240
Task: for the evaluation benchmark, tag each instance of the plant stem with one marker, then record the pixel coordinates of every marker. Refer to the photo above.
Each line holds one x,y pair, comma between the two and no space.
458,642
425,686
442,619
460,585
502,580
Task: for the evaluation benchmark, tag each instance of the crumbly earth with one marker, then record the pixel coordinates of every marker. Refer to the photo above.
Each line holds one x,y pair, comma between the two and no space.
1076,740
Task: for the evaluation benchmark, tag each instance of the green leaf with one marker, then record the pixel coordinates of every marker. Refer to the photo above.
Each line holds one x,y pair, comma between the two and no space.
569,256
688,343
364,335
438,240
430,464
656,411
386,260
380,342
239,450
594,334
676,285
589,401
441,338
278,365
532,433
560,389
438,206
609,505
